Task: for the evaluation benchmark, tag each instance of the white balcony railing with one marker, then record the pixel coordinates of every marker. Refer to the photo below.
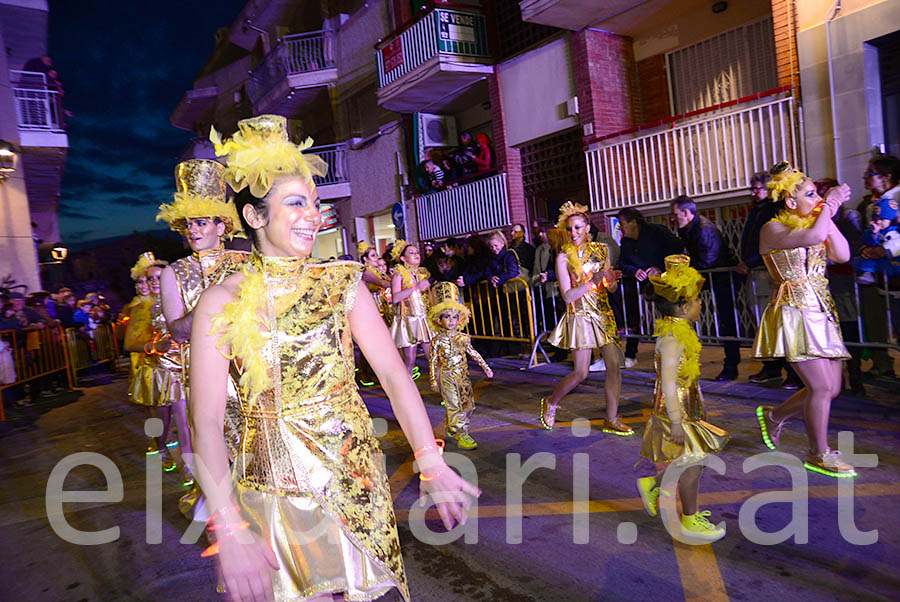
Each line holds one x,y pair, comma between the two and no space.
705,155
38,107
474,207
461,34
293,55
336,157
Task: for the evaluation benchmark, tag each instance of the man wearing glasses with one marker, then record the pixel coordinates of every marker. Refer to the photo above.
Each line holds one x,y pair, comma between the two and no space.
759,282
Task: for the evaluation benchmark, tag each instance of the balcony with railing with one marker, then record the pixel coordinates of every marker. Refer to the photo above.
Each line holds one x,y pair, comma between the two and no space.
336,183
293,72
707,154
432,59
468,207
39,112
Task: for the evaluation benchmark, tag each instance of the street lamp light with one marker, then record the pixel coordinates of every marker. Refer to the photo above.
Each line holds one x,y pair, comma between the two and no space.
59,253
8,156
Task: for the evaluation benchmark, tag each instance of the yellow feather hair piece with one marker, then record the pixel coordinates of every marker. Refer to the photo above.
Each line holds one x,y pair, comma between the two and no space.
568,210
362,248
145,261
260,151
187,206
785,180
398,248
685,334
243,330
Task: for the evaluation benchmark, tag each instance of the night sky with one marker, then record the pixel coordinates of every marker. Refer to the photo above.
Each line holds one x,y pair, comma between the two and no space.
124,66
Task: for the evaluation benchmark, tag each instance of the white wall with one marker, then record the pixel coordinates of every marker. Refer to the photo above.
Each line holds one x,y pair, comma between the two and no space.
857,89
535,87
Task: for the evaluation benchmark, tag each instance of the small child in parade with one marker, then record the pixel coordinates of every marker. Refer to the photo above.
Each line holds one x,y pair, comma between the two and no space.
677,432
410,325
449,369
884,232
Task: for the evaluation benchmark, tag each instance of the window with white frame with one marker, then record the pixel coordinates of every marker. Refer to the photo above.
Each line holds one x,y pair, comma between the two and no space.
726,66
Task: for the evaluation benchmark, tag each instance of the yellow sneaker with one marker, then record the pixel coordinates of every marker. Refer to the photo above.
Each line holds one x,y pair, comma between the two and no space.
649,491
617,427
828,463
698,526
465,441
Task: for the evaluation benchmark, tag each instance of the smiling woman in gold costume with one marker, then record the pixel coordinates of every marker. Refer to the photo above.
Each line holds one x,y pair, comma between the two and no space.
800,323
309,512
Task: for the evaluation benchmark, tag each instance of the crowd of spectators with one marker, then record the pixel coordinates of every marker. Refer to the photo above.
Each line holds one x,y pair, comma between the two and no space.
442,168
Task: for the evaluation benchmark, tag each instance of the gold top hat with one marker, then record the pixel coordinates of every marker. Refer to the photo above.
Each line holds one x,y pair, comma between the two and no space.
146,260
200,187
679,281
446,297
568,210
260,151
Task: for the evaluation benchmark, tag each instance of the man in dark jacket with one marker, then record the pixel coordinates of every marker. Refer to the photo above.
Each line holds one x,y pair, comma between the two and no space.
707,250
644,249
524,250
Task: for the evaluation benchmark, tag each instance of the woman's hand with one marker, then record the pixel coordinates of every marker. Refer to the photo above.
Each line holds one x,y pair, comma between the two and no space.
451,494
677,433
543,277
460,281
495,280
245,561
424,285
163,345
836,197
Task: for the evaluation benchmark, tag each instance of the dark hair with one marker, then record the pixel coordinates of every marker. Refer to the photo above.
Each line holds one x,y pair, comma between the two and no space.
760,177
824,185
889,165
685,203
665,307
630,214
244,198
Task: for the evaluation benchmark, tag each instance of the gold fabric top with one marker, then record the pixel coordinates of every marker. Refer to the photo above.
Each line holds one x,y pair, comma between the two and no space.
140,329
690,399
416,304
308,433
171,359
203,269
799,278
588,259
448,353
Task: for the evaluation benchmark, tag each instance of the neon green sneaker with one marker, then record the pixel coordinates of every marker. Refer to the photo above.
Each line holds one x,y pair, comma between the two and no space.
465,441
649,491
829,463
698,526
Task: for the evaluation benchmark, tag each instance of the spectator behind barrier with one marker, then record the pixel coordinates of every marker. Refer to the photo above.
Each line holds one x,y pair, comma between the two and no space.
881,178
524,251
883,238
500,267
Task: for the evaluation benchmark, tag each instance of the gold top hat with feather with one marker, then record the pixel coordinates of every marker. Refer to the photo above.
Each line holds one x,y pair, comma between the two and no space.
446,297
679,281
200,192
145,261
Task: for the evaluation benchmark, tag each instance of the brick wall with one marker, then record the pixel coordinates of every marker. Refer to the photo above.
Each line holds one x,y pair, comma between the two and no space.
654,89
510,157
606,81
784,25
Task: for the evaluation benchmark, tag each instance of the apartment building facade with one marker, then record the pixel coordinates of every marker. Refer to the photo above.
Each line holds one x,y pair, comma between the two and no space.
610,104
33,147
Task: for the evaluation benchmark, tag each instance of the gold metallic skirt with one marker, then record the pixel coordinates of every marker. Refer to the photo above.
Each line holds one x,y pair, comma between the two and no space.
798,335
150,386
700,439
580,331
314,556
410,330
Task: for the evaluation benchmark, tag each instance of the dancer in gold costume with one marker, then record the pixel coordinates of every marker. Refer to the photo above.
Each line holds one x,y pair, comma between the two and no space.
200,213
309,512
410,326
148,384
800,322
677,432
448,364
585,278
379,285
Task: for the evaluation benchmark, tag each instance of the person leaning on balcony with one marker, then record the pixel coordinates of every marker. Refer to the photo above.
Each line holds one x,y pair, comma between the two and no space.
645,247
708,249
759,282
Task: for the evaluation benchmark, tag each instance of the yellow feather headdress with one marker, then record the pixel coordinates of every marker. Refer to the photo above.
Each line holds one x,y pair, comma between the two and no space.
146,260
260,151
447,298
200,192
362,248
398,248
679,281
785,180
568,210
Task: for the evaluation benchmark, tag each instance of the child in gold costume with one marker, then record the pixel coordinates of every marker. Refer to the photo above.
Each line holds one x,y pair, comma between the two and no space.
585,278
800,322
410,326
448,356
379,285
307,510
677,432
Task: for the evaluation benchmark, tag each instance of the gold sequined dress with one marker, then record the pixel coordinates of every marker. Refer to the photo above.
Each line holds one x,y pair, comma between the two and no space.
800,322
382,296
410,325
168,384
589,321
309,472
700,437
448,360
143,386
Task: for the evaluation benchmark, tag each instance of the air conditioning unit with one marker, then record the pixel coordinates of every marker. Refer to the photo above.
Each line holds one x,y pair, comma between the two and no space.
434,130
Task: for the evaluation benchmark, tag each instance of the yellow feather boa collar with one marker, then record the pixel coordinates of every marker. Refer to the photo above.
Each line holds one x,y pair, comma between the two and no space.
794,221
684,333
406,275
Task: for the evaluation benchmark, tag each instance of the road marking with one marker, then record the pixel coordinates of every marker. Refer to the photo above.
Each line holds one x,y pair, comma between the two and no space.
701,579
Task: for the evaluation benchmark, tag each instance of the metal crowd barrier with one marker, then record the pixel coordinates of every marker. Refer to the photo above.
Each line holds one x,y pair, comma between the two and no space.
748,295
29,354
100,347
504,313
